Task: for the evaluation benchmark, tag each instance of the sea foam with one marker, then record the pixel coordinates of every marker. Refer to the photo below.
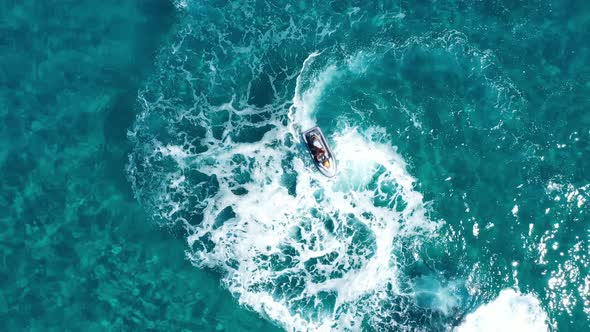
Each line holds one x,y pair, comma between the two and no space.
323,255
510,311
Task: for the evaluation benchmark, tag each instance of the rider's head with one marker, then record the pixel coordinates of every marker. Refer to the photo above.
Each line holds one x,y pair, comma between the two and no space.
326,163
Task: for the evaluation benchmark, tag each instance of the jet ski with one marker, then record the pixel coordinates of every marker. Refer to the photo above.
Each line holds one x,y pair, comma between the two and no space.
320,152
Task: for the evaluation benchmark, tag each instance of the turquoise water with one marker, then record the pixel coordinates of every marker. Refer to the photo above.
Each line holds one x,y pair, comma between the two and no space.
154,176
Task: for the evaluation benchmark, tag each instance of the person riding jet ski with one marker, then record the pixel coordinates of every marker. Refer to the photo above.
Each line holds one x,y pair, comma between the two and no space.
318,151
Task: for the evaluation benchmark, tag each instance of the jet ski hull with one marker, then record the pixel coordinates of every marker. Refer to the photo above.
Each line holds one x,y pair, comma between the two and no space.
331,171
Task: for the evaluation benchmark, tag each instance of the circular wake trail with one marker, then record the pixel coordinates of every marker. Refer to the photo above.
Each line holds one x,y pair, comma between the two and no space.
218,159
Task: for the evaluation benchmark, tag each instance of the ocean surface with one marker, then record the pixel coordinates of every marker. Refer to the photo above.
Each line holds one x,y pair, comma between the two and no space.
154,177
